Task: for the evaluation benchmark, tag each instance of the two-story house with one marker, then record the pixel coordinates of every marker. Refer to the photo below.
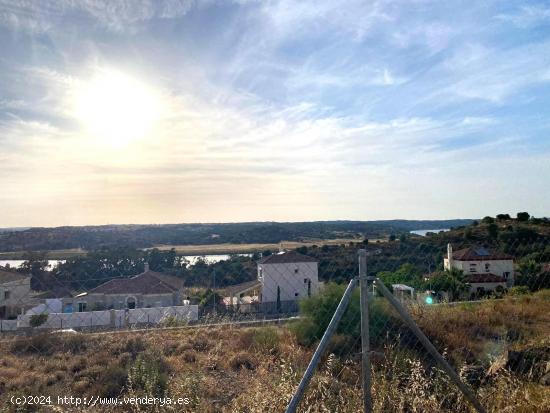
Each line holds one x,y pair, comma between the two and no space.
287,276
484,269
15,293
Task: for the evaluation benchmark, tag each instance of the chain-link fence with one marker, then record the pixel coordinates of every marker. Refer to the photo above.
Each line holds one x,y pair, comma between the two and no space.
238,334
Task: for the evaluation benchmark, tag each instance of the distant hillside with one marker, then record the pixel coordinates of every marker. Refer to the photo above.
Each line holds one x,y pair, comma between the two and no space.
143,236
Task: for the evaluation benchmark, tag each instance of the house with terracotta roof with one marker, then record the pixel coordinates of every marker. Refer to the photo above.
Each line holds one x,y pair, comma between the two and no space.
146,290
15,293
484,269
287,276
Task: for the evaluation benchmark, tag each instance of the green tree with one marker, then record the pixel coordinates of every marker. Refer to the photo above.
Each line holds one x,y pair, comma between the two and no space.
488,220
492,230
530,274
503,217
407,274
317,311
522,216
451,281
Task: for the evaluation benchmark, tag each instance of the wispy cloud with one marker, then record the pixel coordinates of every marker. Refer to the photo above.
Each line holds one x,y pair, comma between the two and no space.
117,15
276,110
527,16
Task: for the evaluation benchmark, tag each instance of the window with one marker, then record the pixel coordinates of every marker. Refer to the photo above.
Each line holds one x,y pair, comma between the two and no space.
487,267
305,280
506,275
473,267
295,270
7,295
81,307
296,294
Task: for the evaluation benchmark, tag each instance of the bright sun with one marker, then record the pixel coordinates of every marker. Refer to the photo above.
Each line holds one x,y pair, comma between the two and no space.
117,108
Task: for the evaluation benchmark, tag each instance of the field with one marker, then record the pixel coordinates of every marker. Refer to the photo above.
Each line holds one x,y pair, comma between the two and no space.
206,249
234,369
211,249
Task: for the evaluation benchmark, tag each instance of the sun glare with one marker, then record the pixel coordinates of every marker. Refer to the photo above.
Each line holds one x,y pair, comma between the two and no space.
117,108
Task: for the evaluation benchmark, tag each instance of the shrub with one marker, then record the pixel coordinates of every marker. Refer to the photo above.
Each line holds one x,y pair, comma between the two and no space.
201,344
134,346
518,290
147,377
173,321
44,344
317,311
242,360
189,356
37,320
110,382
265,339
75,343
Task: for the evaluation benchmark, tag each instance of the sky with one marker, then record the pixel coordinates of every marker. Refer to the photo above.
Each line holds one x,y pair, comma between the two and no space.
167,111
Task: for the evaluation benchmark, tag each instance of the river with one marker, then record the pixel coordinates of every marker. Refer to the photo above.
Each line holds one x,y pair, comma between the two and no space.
423,232
210,259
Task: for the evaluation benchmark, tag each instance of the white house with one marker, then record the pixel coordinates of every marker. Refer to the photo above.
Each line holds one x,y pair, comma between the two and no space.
484,269
287,276
15,293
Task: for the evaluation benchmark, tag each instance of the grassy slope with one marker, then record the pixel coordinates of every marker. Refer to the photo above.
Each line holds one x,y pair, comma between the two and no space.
256,370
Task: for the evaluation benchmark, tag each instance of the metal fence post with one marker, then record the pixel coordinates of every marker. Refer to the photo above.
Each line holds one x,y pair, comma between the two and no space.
293,405
365,336
429,346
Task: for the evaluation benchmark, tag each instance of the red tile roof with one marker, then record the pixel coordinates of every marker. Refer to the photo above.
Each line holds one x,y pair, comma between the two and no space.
232,290
7,276
149,282
479,254
485,278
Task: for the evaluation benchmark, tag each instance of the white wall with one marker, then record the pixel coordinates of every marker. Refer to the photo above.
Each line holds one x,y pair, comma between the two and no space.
159,314
113,318
8,325
52,305
497,267
69,320
289,277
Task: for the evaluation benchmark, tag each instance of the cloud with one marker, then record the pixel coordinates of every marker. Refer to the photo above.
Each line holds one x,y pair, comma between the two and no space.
273,110
117,15
527,16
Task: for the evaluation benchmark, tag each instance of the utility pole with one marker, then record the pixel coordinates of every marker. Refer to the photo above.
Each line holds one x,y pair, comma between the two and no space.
365,337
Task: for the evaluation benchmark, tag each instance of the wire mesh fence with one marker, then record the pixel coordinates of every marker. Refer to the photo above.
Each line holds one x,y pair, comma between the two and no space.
238,334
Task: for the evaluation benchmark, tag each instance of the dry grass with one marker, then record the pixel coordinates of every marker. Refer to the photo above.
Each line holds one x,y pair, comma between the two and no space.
227,248
199,249
257,369
470,331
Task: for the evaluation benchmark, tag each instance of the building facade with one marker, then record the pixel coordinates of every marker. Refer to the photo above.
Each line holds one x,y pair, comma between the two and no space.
287,276
15,293
484,270
146,290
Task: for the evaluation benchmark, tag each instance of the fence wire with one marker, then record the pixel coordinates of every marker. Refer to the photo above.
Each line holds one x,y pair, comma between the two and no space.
237,335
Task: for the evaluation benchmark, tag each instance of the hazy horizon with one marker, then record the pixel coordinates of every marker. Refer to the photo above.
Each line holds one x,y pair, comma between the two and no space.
242,111
238,222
